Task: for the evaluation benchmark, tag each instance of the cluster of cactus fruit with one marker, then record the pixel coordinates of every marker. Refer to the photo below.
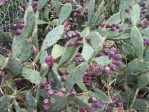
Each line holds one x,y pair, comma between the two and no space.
102,65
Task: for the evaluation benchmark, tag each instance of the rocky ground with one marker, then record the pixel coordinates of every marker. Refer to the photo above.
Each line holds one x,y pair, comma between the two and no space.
4,47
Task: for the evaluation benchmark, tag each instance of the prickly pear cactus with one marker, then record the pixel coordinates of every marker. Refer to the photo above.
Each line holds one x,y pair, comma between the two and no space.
75,56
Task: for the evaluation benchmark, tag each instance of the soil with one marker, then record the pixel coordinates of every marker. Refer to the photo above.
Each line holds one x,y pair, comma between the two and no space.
5,47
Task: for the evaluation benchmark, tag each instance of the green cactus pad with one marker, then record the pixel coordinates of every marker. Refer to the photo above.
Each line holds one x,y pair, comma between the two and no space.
65,12
60,103
31,75
52,37
30,101
67,53
136,37
29,19
2,61
76,75
81,102
26,50
57,51
14,66
4,101
87,52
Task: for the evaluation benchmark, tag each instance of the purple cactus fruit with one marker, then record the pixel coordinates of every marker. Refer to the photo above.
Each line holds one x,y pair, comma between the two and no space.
145,23
107,69
66,22
66,65
120,30
77,33
72,92
80,59
24,6
17,32
71,20
21,26
142,4
75,14
91,69
100,68
143,8
46,101
92,99
50,28
50,92
66,72
119,103
69,36
74,35
112,66
139,25
48,86
113,104
117,26
127,20
52,82
50,61
35,4
117,62
46,107
78,10
35,9
127,10
144,11
97,104
100,54
108,26
67,29
60,94
3,2
79,38
35,49
21,21
146,41
105,46
43,82
112,51
94,77
113,25
63,78
63,90
77,54
109,110
82,110
77,43
87,79
14,27
89,110
117,56
106,50
88,84
64,1
65,37
112,29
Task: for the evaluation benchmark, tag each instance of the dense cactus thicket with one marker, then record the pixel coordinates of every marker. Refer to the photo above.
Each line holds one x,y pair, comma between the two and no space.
74,55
